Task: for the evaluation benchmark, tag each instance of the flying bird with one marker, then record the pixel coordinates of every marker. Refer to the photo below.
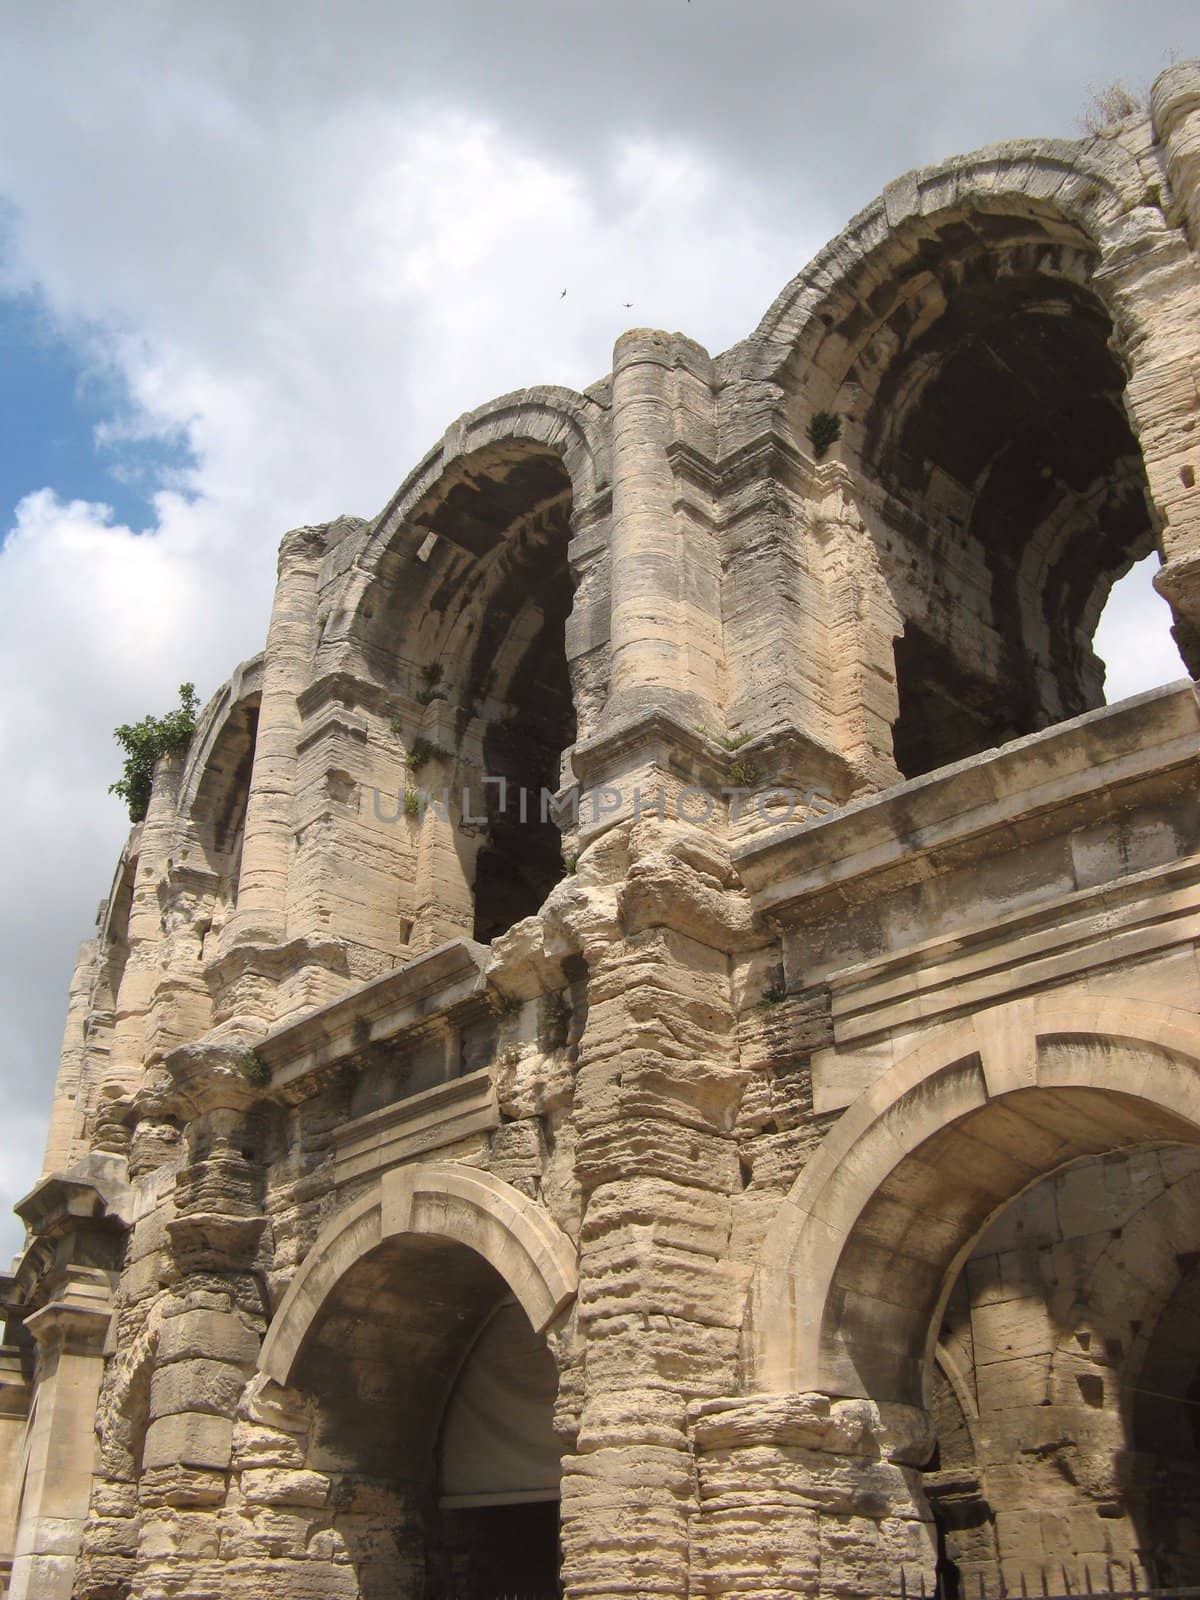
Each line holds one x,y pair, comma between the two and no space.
563,295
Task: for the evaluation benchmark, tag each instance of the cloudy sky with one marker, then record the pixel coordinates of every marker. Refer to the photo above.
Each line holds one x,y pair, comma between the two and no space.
253,258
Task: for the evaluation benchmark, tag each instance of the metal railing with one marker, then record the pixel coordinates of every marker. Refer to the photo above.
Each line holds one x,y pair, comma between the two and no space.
1116,1580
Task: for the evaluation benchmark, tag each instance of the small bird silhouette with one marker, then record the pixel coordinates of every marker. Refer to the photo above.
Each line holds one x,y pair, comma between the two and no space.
563,295
627,304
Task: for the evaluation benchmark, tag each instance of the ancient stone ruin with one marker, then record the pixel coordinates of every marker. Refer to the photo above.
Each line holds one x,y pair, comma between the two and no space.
650,1044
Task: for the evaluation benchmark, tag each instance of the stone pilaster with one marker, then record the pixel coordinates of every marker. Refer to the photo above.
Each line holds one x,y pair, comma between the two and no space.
70,1331
659,1300
64,1140
143,968
665,634
209,1326
14,1413
261,912
807,1495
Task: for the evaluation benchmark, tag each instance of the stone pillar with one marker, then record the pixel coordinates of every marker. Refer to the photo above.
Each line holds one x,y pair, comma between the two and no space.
211,1325
862,624
63,1143
659,1299
666,608
807,1495
143,967
1175,109
14,1413
1153,280
70,1333
261,912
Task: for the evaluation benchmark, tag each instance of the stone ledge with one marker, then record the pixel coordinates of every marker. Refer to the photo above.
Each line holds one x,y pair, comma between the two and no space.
916,822
439,983
422,1123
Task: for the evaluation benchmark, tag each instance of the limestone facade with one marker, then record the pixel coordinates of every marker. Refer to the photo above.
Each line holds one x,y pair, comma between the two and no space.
770,1169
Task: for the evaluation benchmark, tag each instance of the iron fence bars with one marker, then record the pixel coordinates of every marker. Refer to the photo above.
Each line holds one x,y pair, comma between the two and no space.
1115,1581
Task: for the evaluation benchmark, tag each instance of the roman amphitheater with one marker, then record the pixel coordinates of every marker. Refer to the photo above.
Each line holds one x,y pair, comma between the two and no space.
771,1168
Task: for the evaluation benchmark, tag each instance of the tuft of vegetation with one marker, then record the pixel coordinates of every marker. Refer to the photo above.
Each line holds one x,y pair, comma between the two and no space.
424,750
431,684
570,865
145,742
505,1006
742,774
824,429
554,1021
509,1056
412,803
396,727
1109,105
775,992
254,1069
732,741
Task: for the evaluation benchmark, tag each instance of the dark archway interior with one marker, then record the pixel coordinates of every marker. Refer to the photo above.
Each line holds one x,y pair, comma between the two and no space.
1161,1468
1014,482
492,629
525,620
390,1350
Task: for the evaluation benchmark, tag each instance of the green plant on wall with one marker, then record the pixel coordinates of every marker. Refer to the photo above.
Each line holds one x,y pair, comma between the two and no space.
424,750
145,742
254,1069
431,684
823,430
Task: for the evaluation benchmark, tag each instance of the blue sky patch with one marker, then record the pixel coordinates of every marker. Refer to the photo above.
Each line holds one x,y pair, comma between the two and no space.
52,398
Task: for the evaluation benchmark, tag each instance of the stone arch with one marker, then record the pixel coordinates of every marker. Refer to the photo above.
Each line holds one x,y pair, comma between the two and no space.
847,1294
570,425
555,421
438,1200
1092,192
221,723
478,615
982,334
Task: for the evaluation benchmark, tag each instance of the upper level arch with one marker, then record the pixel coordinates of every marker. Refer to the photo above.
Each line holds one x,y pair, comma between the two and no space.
976,331
476,613
215,785
1084,192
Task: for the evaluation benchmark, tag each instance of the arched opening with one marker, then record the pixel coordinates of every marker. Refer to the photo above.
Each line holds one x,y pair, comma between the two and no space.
434,1406
223,792
1068,1437
1003,1238
474,638
1011,489
416,1327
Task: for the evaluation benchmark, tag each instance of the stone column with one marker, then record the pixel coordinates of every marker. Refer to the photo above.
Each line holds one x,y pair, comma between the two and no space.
659,1299
14,1413
807,1495
261,912
62,1140
666,618
143,968
60,1450
211,1324
861,626
1154,280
